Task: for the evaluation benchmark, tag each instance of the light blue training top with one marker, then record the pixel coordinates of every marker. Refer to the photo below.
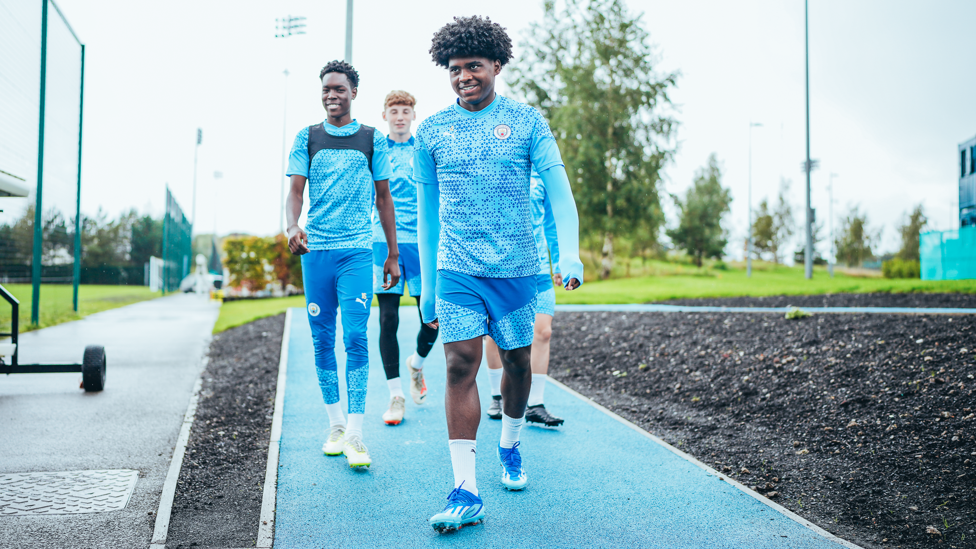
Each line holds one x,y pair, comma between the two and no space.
473,195
544,227
481,162
404,192
340,189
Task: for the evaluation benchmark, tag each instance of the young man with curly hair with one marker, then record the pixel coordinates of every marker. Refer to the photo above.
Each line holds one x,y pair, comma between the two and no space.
398,111
478,257
347,169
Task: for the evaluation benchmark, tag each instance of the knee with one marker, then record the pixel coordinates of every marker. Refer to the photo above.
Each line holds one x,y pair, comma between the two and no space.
543,333
518,361
389,321
355,340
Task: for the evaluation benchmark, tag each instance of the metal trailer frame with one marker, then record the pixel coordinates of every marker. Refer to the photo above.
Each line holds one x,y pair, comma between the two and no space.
92,367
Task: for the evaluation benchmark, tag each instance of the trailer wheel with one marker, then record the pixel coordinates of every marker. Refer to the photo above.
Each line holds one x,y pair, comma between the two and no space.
93,368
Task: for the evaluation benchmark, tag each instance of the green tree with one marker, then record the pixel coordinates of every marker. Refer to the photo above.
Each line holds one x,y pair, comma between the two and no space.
856,240
699,231
590,69
146,241
763,232
909,234
783,224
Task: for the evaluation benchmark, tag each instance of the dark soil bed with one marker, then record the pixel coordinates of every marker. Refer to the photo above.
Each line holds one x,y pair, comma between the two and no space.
967,301
863,424
218,498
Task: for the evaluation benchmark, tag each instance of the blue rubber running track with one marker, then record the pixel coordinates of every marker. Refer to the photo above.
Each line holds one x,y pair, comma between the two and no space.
595,482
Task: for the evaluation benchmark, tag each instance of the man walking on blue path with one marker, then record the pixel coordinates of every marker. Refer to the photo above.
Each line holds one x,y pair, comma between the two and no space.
347,167
478,257
547,244
398,111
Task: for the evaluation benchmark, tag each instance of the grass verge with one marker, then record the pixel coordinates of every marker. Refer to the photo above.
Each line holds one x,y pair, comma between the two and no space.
768,280
56,302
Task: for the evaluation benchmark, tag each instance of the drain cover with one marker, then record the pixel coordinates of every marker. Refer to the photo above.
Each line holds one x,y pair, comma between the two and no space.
67,492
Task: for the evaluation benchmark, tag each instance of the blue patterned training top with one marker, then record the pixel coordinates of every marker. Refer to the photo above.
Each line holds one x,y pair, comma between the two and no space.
404,192
340,189
481,162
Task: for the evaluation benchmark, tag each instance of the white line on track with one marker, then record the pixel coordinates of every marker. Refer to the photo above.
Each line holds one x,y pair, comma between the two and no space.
266,526
783,510
161,529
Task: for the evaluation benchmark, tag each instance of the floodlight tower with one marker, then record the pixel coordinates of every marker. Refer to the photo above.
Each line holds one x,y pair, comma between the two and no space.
749,239
808,165
196,151
349,31
285,27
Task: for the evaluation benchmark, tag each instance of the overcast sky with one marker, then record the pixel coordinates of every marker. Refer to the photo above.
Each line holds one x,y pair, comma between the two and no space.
891,87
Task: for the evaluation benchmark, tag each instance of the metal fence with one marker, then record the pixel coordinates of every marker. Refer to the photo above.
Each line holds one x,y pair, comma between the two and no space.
177,245
948,255
42,84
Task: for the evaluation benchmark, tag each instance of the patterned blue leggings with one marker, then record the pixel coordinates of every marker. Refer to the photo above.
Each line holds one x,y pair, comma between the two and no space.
340,279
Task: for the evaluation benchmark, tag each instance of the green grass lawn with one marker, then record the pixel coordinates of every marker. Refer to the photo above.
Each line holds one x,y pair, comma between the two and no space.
56,304
766,280
674,281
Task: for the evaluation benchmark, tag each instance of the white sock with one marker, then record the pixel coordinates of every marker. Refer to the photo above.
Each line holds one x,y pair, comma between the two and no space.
335,414
395,389
417,362
537,390
511,427
463,453
355,427
495,378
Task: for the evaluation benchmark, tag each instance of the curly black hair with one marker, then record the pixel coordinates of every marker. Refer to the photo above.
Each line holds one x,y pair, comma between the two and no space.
471,37
344,68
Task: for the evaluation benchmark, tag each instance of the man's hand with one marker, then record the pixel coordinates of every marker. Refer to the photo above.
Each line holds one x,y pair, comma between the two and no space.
297,240
558,279
434,325
392,270
572,284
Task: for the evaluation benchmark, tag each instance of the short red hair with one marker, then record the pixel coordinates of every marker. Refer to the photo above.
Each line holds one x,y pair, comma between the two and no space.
399,97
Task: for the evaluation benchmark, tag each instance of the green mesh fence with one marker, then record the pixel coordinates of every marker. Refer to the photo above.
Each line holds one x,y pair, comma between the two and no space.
177,245
948,255
41,86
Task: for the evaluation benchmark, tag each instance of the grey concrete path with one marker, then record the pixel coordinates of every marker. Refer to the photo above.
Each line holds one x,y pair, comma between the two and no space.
155,351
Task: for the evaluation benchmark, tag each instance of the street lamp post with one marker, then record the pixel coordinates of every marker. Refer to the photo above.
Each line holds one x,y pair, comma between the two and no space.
749,239
830,222
286,26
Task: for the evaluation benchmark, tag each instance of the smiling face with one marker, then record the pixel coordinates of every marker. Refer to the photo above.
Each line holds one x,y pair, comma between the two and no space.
337,95
473,80
400,118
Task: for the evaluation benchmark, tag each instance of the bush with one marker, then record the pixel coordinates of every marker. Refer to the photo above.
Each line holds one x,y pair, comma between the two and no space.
254,262
900,268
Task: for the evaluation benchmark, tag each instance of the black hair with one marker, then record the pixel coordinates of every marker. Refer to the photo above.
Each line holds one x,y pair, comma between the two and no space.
341,67
471,37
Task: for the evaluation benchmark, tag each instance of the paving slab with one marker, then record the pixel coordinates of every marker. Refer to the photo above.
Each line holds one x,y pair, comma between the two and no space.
595,482
154,351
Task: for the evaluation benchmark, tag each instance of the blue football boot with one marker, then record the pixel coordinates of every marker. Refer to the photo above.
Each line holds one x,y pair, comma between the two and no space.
513,477
463,508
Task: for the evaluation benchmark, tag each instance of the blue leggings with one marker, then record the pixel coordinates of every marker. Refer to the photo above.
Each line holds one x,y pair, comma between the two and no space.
340,279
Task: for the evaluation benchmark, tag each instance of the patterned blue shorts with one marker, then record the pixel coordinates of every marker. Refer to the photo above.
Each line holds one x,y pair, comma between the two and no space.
545,300
409,269
471,306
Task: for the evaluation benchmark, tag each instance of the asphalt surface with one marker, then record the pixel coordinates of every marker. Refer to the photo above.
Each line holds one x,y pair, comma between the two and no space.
154,351
593,483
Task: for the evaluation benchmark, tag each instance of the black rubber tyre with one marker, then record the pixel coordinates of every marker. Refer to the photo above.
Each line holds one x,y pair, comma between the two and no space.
93,368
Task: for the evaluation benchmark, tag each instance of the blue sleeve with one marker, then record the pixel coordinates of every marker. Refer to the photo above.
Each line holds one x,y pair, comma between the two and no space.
298,158
428,239
552,238
543,152
424,169
382,169
566,218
